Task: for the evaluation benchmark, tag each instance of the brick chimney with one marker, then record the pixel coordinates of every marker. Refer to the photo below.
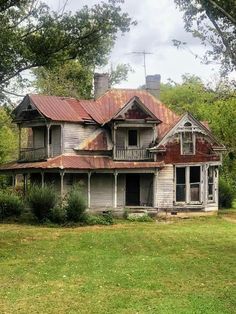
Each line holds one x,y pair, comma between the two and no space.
101,84
153,84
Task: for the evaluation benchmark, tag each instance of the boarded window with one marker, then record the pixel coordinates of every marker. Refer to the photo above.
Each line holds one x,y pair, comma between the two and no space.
180,184
195,178
132,138
187,143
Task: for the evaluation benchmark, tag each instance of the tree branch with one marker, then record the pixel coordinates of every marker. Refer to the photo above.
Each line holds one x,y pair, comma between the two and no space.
223,11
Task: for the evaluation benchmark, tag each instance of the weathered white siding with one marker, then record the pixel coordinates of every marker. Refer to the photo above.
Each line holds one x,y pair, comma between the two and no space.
121,190
165,187
102,190
74,134
56,140
121,135
38,137
146,137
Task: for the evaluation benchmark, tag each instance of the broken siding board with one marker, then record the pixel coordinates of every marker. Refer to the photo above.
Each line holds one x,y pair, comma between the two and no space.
102,190
165,187
74,134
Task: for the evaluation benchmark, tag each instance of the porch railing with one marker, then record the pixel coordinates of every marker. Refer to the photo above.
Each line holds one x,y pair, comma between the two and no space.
132,154
33,154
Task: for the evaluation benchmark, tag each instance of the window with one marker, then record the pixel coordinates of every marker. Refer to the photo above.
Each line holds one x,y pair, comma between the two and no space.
210,190
132,138
188,184
180,184
187,143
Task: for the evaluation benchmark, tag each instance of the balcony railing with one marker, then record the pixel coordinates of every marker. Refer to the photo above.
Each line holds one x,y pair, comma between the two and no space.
130,154
33,154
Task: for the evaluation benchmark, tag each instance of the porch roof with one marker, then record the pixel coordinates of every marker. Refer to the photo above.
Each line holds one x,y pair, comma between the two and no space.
80,163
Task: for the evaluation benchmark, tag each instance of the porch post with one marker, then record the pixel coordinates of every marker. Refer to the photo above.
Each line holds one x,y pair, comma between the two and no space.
155,177
115,188
19,140
42,177
62,183
114,141
25,175
89,189
48,138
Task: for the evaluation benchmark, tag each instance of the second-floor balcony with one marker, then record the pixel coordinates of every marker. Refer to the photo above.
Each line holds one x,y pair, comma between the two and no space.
131,154
33,154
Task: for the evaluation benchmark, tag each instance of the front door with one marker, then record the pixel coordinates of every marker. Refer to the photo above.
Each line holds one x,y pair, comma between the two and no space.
132,190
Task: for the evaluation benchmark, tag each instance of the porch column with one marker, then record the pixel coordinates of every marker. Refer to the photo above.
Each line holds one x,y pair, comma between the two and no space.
62,183
89,189
25,175
42,178
114,141
155,177
19,140
115,189
48,138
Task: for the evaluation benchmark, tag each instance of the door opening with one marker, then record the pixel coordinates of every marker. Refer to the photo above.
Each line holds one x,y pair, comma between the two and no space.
132,190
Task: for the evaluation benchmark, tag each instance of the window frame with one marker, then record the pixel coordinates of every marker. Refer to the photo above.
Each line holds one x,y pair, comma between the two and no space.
182,143
213,200
188,185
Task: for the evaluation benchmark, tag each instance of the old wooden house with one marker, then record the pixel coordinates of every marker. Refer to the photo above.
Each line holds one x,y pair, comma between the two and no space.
125,147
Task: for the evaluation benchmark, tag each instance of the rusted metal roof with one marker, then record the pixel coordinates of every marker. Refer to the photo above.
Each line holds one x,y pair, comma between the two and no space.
81,163
60,108
105,108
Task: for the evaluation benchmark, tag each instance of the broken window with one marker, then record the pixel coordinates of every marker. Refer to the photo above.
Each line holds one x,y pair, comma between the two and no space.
132,138
180,184
195,179
188,184
187,143
211,183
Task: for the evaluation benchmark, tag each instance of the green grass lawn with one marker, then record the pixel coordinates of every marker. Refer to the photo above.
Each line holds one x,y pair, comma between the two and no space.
188,266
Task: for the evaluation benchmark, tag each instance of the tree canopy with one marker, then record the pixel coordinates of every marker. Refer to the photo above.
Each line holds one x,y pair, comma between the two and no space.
33,36
214,23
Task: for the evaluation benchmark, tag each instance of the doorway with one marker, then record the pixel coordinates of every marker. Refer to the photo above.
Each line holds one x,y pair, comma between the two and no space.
132,190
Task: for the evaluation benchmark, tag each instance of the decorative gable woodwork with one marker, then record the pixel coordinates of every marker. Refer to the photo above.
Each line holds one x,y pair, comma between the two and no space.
134,113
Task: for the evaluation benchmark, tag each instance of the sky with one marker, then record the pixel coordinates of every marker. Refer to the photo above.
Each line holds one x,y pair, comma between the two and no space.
159,21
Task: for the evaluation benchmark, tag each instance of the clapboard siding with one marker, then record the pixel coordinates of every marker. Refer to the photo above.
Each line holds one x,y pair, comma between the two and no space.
165,187
74,134
146,137
121,134
56,140
79,180
102,190
38,137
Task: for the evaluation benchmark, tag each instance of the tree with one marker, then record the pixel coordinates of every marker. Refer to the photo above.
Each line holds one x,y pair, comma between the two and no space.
73,80
33,36
8,137
214,23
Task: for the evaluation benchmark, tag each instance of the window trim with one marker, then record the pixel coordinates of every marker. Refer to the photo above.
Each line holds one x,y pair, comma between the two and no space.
188,185
213,201
182,142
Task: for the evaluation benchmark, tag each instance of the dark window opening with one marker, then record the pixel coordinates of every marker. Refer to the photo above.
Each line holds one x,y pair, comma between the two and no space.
180,184
50,136
132,138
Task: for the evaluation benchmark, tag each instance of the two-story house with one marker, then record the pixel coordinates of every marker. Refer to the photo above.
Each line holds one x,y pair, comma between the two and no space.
125,147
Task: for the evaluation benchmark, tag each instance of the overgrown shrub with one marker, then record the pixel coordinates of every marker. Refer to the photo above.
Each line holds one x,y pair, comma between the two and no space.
226,194
58,214
11,205
76,205
41,201
98,220
143,218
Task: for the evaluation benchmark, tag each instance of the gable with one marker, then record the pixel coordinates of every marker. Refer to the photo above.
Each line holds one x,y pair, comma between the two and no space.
26,111
135,110
189,124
